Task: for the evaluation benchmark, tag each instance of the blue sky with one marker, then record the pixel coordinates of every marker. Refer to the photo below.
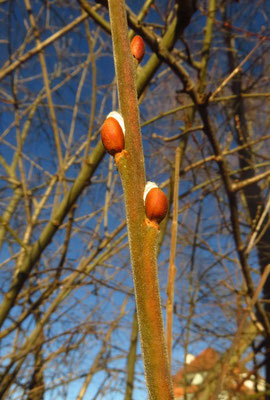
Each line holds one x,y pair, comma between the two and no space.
39,147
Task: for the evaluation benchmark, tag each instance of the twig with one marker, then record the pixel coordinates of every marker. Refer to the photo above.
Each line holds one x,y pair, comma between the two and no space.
241,185
42,46
49,96
236,70
172,267
179,136
14,234
259,224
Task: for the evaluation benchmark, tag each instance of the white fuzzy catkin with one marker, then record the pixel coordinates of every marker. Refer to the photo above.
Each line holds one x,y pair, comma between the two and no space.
149,186
119,119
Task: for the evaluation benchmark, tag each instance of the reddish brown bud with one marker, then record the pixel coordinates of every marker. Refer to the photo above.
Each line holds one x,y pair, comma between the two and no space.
137,48
156,204
112,133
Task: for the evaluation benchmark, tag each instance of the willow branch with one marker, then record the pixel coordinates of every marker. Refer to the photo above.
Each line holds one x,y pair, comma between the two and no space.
142,238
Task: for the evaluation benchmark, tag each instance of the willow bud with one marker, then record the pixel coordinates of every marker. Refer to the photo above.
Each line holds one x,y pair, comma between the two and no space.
156,204
137,48
113,133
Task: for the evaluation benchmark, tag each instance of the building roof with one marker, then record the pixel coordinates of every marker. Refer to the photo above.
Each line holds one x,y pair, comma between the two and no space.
240,379
180,391
202,363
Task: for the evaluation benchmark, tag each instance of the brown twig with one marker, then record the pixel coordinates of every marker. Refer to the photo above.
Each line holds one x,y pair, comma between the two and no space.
172,267
235,71
4,72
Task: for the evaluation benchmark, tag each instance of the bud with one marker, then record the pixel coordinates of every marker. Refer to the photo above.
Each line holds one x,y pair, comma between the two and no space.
113,133
137,48
156,204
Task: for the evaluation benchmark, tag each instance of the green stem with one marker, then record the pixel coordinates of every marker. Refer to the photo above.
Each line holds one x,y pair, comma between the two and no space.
131,360
207,44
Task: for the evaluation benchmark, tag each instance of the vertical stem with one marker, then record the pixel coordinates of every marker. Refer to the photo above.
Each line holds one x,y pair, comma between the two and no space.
142,238
131,361
47,89
207,44
172,268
